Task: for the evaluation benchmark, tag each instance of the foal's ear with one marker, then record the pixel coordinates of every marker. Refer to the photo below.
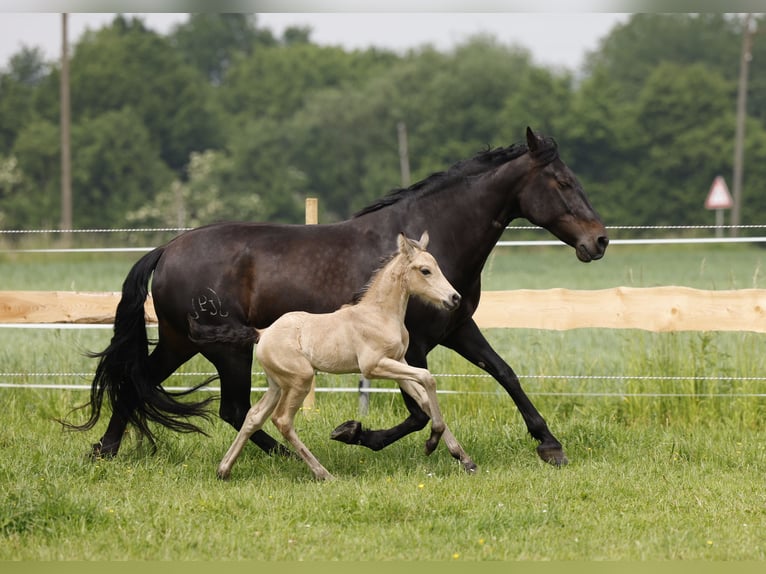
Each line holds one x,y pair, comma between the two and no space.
406,245
424,240
532,142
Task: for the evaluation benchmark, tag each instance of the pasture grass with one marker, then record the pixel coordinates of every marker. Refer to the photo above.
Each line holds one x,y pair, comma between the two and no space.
631,492
660,469
650,477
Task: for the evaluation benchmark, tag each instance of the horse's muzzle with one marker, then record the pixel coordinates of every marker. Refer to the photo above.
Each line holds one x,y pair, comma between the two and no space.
594,252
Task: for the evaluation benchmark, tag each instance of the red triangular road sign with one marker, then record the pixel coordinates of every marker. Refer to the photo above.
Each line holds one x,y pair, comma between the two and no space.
719,197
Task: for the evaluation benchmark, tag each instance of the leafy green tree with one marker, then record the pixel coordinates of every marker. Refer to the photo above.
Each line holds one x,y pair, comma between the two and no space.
687,121
631,51
274,82
11,186
542,100
209,41
126,64
195,200
343,138
653,119
259,181
37,202
115,166
27,68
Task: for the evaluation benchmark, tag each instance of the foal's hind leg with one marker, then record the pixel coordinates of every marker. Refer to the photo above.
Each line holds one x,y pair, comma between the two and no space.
234,366
293,393
254,420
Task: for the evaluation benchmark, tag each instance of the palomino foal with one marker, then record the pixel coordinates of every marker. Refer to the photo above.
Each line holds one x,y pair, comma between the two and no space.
368,337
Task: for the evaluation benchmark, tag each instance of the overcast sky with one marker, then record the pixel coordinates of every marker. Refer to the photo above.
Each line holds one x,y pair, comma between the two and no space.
555,39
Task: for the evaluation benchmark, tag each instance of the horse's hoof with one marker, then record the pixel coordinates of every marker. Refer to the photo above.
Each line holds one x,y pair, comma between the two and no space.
552,454
349,432
223,474
98,452
282,450
470,467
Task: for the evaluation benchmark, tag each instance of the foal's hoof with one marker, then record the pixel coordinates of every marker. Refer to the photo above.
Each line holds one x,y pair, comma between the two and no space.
349,432
469,466
553,454
432,442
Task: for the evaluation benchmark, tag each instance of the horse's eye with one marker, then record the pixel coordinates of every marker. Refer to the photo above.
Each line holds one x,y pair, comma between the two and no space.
425,271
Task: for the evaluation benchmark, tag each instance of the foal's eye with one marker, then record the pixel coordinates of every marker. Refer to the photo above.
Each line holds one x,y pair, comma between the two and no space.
425,271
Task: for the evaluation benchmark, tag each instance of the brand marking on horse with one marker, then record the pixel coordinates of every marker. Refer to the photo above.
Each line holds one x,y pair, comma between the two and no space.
208,304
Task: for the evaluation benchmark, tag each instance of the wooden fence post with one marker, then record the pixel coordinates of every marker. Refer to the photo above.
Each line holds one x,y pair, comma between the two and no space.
312,218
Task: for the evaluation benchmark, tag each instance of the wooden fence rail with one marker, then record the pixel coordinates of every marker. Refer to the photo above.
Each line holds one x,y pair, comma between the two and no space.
652,309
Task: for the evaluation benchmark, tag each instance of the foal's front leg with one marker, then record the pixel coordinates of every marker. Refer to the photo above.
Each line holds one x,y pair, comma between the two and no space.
453,446
388,368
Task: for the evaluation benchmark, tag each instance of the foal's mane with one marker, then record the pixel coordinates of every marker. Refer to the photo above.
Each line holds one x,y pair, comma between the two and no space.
359,295
480,163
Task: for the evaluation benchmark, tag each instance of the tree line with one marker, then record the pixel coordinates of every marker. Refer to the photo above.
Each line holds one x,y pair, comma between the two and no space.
222,119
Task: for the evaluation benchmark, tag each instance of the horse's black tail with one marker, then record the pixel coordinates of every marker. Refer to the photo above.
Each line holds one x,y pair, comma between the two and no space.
123,367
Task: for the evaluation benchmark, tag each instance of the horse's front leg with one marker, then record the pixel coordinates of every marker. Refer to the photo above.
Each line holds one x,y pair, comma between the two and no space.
469,342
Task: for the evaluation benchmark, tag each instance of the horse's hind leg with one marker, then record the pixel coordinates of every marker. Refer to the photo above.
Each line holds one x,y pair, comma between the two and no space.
162,362
234,366
283,418
254,420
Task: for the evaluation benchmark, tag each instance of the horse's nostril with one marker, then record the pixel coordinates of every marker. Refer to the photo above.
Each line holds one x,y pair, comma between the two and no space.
456,299
602,241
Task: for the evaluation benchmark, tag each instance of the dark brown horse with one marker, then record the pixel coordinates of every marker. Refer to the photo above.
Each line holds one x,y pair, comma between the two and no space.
233,276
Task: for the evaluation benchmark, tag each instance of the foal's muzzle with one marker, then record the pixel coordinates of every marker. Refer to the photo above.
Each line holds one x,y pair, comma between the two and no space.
453,302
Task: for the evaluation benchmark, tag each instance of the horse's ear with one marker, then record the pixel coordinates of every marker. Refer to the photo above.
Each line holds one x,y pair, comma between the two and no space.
424,240
532,142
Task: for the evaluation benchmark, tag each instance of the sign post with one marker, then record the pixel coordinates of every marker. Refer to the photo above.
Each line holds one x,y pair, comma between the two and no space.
718,199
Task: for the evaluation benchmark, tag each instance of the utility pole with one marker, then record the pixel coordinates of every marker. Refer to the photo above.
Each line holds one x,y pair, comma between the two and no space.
66,157
739,138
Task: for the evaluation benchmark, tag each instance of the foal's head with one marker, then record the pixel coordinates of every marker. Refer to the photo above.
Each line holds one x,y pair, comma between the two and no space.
423,276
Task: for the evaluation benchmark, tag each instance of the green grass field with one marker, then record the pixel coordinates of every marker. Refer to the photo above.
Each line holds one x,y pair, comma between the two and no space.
660,468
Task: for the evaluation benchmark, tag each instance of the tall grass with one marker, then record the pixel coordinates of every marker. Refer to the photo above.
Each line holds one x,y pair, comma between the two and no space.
660,468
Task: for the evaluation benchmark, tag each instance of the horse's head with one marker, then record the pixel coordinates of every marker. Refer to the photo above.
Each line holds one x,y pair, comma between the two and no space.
553,198
424,277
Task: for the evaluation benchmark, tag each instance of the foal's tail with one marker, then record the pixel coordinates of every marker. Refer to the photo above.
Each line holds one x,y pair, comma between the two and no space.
123,368
230,334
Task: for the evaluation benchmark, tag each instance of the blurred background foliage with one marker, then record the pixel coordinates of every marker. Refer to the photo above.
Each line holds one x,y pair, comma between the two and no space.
220,119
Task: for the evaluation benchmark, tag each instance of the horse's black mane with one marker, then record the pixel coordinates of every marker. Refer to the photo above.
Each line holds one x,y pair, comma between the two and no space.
481,162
